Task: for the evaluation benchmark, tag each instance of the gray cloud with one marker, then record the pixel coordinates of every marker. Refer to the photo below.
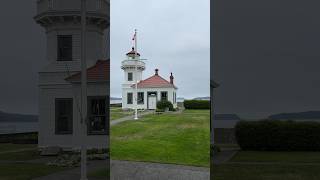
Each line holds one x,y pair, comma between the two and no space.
173,36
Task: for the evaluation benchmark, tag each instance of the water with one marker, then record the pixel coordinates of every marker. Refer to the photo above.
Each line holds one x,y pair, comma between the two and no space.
18,127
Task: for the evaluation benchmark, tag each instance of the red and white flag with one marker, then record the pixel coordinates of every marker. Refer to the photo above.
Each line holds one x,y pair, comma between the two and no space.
134,37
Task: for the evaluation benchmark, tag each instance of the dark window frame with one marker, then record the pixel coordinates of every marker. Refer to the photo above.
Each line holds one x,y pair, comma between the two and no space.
130,78
64,48
58,116
104,115
131,95
139,97
161,95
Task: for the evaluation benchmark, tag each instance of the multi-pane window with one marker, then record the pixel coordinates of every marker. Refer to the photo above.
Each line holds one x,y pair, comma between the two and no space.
63,116
140,98
64,47
130,76
97,115
129,98
164,95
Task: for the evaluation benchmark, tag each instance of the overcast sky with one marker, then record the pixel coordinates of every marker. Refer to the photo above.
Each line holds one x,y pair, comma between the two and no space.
266,53
266,56
173,36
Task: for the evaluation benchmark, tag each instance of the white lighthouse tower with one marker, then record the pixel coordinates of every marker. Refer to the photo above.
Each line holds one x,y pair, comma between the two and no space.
60,80
129,65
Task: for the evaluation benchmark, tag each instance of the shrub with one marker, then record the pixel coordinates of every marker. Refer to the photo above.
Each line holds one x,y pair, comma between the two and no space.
163,104
273,135
196,104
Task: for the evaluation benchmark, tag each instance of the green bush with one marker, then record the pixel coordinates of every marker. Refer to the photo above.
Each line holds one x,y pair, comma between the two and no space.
273,135
196,104
163,104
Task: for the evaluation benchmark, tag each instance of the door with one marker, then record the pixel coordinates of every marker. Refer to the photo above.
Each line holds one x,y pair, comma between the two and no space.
152,102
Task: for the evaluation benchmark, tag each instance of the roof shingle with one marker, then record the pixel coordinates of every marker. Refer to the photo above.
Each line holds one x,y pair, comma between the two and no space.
155,81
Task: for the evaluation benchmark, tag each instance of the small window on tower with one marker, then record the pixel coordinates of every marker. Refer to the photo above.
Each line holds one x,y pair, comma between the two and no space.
64,47
130,76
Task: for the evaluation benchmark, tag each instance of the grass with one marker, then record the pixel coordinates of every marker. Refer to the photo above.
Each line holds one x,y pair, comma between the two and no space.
165,138
12,147
117,113
22,171
278,166
20,156
266,172
102,173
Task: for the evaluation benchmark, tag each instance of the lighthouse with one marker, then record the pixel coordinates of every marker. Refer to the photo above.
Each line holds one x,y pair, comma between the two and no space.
59,81
139,93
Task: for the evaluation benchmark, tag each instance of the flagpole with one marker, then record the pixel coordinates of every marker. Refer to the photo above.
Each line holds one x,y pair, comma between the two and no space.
136,79
83,114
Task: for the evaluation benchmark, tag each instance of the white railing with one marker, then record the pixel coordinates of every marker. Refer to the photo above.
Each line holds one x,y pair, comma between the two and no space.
132,63
99,6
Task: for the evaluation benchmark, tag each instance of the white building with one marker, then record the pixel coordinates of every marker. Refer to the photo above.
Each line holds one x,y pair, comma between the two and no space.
150,90
59,80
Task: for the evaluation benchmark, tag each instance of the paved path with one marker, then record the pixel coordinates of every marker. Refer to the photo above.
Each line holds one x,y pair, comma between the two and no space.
128,170
129,118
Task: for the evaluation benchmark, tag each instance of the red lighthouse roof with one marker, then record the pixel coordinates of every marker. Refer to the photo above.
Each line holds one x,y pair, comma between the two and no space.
155,81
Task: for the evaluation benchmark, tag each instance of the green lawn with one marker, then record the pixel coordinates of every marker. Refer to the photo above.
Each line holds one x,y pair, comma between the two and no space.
102,173
11,147
117,112
20,156
270,166
21,171
266,172
165,138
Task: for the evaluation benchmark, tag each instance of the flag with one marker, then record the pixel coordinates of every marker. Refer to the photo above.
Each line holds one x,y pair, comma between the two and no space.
134,37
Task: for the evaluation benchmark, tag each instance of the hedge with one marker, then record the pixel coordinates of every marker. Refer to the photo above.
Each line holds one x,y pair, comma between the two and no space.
196,104
275,135
163,104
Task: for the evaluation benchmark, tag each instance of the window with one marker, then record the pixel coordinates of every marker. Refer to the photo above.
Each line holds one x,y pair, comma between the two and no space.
64,48
164,95
140,98
129,98
97,116
130,76
63,116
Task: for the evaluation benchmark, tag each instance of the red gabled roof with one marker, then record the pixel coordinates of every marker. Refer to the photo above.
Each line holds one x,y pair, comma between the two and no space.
100,72
155,81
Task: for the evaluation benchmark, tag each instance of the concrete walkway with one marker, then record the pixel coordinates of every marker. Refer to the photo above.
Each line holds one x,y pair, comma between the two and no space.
128,170
128,118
